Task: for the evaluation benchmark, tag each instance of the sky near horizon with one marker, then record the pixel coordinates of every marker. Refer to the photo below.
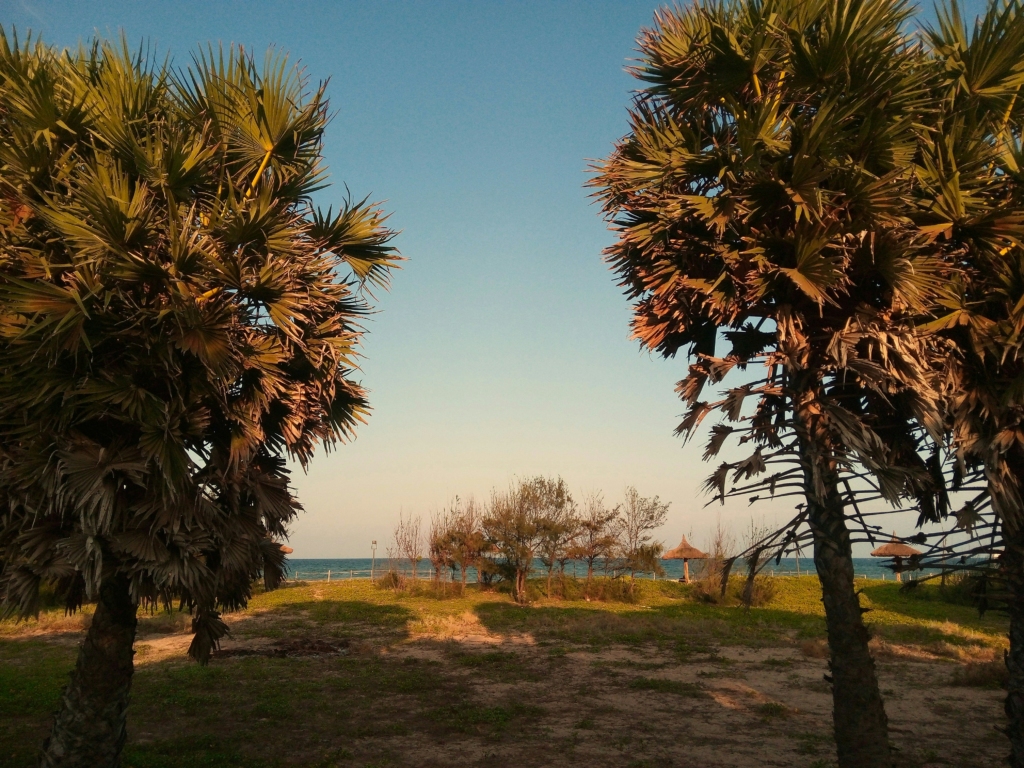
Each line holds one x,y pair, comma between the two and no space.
503,348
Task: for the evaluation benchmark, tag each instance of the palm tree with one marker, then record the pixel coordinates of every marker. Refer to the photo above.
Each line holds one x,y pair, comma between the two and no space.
176,320
972,193
761,204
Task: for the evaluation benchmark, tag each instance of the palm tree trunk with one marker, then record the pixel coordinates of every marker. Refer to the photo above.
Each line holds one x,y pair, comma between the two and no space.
858,712
861,726
859,719
1013,570
89,729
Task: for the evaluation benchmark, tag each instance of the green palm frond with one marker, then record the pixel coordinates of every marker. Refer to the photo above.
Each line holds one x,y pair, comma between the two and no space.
175,320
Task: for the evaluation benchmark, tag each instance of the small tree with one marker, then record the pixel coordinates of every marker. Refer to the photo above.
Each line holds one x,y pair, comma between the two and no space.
409,541
441,541
712,580
177,320
596,539
513,527
636,551
756,556
557,522
469,543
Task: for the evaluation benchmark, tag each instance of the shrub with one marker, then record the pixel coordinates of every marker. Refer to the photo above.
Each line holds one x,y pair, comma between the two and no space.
962,588
392,579
762,591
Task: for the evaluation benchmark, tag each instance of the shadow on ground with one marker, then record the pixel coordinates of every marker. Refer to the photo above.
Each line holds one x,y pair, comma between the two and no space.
719,683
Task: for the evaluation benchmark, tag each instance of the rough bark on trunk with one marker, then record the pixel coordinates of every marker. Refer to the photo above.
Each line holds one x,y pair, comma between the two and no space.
861,726
89,728
748,587
858,712
520,586
1013,571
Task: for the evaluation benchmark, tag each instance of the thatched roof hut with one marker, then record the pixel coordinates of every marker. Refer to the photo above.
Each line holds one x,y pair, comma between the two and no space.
685,551
895,548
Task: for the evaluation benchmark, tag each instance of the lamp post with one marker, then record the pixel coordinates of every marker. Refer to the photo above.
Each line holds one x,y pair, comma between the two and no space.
373,557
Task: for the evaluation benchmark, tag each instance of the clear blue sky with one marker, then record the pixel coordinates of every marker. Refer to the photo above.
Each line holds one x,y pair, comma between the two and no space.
503,347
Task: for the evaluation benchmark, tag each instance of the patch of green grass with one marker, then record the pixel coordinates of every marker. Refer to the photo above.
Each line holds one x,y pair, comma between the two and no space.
772,709
32,674
243,705
187,750
734,674
631,664
244,710
662,685
813,743
496,665
487,659
466,717
922,607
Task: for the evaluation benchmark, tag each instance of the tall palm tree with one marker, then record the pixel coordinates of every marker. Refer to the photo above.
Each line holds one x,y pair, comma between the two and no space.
761,204
176,320
972,192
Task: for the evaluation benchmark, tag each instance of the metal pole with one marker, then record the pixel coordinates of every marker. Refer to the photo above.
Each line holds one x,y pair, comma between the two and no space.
328,575
373,558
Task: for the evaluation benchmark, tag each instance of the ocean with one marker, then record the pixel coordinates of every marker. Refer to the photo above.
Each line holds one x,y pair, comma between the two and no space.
311,569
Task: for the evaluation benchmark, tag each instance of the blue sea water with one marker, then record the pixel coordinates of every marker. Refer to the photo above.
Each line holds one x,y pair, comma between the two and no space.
309,569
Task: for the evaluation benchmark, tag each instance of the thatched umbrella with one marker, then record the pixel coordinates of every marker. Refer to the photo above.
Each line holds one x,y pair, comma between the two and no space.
686,553
897,550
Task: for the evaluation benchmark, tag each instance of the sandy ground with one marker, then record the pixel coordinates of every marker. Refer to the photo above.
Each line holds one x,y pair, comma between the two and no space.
766,707
735,707
729,707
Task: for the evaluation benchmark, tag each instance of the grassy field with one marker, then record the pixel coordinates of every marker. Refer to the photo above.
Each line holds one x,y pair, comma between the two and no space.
350,674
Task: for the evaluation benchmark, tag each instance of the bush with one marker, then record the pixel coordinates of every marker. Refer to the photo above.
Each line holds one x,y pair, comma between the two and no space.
762,591
962,588
610,590
708,588
392,580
